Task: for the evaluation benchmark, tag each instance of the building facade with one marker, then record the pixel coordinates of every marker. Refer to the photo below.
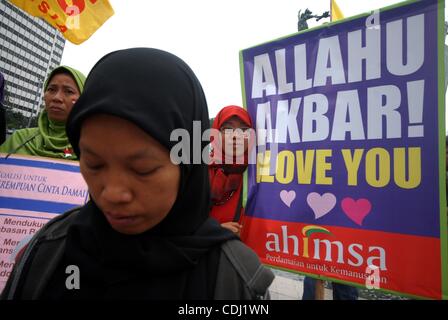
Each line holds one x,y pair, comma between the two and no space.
29,49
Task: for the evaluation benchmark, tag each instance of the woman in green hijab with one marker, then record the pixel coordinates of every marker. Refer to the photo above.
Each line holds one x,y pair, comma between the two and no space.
61,90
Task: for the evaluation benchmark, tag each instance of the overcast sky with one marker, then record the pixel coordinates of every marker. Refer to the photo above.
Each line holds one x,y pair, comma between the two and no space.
206,34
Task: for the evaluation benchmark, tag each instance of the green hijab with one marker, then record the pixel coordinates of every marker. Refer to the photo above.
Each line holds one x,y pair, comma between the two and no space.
49,138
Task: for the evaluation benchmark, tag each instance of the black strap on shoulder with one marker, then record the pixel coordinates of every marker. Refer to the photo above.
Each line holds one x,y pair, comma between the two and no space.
245,261
22,144
237,214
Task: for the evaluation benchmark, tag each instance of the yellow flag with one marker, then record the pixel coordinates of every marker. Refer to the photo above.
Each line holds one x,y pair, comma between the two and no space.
76,19
336,13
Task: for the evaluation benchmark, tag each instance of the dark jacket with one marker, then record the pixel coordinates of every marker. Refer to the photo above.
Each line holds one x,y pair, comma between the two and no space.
240,273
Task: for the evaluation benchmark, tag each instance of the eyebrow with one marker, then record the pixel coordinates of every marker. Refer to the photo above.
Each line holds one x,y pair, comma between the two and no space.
86,149
64,86
135,156
139,155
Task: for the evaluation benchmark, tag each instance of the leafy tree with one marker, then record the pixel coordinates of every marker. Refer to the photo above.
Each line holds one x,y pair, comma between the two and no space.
16,120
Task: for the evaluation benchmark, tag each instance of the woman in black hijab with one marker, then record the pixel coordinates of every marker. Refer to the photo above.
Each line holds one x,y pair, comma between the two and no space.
146,233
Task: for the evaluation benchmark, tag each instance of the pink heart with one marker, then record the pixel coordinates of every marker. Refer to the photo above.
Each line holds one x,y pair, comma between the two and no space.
321,205
287,197
356,210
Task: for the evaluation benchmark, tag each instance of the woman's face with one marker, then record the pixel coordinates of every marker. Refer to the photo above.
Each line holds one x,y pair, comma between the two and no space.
60,96
234,142
129,174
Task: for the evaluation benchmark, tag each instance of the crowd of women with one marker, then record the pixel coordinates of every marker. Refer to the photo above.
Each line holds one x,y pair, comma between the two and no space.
152,229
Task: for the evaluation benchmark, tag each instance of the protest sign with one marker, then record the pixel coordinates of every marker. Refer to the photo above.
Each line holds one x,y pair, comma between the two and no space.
33,190
349,180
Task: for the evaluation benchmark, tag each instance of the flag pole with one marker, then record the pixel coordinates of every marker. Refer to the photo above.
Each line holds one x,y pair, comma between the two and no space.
319,290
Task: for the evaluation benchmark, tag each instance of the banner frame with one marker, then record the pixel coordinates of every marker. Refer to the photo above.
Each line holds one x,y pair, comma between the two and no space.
443,210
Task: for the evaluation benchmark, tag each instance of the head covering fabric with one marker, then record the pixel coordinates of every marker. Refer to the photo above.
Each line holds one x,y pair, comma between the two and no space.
231,111
159,93
218,156
49,138
226,180
78,76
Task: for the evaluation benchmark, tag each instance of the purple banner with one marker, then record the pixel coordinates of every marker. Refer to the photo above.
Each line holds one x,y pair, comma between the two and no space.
347,124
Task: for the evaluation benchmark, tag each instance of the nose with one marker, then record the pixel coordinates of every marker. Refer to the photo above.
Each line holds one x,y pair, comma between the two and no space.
115,193
57,96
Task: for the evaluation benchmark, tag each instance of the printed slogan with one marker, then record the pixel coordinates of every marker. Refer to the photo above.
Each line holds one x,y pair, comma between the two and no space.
33,190
349,175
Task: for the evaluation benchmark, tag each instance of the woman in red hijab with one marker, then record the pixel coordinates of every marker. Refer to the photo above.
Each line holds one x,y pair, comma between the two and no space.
229,160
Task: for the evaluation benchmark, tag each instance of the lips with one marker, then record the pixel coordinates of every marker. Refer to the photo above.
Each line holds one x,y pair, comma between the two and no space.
121,218
56,109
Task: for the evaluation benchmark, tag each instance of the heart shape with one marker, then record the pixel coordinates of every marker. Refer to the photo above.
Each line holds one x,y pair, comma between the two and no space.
287,197
356,210
321,204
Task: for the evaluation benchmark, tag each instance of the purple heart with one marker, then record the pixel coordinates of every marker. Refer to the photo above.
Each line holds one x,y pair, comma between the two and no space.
287,197
321,204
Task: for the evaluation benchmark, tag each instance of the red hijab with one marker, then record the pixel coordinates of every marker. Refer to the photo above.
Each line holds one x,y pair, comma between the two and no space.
226,179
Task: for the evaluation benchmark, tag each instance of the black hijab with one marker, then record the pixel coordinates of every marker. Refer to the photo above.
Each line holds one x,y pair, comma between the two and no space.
178,258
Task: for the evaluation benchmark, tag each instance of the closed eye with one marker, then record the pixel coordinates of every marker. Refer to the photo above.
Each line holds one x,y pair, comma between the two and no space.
145,173
94,167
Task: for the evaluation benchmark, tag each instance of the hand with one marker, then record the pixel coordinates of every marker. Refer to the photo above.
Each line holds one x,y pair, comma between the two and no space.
235,227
